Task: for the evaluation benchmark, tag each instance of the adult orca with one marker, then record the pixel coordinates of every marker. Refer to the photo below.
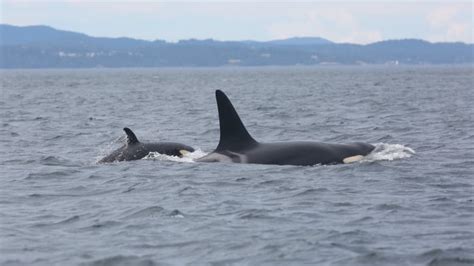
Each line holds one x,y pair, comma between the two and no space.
135,150
236,145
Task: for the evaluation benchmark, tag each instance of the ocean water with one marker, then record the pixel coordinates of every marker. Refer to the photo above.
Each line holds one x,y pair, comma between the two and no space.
408,203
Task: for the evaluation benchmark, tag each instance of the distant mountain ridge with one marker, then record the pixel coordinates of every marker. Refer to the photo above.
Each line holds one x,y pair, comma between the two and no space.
45,35
46,47
14,35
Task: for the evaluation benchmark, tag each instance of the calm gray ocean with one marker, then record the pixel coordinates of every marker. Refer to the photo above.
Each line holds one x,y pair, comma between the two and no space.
409,203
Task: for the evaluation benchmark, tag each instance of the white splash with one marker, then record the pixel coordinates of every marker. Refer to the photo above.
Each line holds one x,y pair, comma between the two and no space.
187,158
388,152
109,148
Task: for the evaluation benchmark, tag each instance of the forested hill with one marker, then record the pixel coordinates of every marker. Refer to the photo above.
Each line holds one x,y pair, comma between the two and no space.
46,47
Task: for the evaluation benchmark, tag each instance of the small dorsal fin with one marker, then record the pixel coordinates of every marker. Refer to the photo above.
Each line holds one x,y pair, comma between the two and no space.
234,135
131,138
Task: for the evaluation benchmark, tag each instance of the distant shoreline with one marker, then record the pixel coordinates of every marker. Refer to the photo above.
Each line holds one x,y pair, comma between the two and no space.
46,47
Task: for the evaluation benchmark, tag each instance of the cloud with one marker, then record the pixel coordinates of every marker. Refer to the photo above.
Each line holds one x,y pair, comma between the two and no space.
450,22
459,31
442,15
338,24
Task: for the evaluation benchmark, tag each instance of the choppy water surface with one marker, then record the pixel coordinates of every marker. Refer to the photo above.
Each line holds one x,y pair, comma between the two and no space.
409,203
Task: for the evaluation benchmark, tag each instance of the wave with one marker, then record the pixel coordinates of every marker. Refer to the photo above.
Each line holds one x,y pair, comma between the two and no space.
389,152
187,158
121,260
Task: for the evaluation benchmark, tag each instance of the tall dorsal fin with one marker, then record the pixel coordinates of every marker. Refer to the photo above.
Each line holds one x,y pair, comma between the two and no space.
234,135
131,138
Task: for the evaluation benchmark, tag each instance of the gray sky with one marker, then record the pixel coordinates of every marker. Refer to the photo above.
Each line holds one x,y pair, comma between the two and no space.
340,21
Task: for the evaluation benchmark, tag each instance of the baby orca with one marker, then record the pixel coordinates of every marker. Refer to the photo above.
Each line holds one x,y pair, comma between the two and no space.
135,150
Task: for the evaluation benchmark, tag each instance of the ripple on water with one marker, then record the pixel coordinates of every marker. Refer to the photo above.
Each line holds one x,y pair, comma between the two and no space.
311,192
360,221
148,212
66,221
51,174
251,214
122,260
387,207
176,214
439,257
101,225
57,161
